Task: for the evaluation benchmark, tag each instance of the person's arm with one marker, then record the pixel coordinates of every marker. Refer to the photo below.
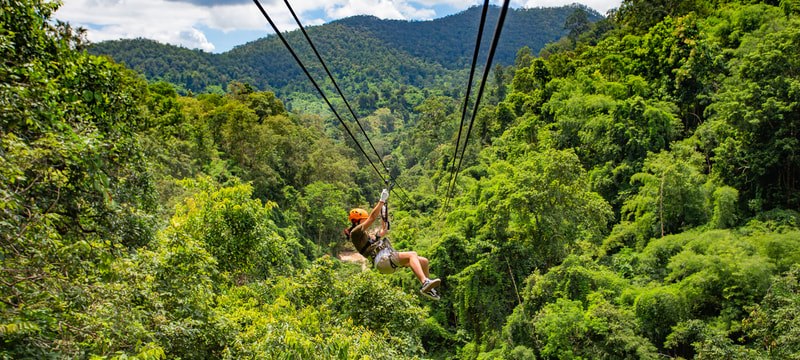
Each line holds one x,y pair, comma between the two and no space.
383,231
376,212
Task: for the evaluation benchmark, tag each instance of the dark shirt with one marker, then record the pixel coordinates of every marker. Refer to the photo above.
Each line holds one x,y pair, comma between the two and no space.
359,237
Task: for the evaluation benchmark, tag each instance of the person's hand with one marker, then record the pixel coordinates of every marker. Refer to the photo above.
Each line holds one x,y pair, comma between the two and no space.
384,195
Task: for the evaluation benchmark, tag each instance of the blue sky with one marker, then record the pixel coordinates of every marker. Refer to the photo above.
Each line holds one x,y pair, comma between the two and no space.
219,25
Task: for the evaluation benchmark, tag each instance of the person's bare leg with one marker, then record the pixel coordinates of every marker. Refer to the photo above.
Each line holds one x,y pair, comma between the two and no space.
423,262
412,260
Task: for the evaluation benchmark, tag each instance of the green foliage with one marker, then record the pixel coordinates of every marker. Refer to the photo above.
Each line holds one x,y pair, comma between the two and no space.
567,309
717,273
436,121
725,199
322,210
781,247
485,295
567,330
617,124
654,258
577,23
323,313
168,298
75,190
642,15
755,118
628,194
773,322
281,330
236,230
576,279
709,343
543,200
659,309
720,278
672,195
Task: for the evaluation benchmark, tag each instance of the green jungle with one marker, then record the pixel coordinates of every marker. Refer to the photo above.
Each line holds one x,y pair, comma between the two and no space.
629,191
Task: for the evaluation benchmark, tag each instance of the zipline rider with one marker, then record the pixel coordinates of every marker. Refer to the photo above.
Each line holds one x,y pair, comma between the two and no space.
378,249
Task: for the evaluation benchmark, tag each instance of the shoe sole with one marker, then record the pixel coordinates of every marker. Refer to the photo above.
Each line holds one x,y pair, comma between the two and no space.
429,296
434,283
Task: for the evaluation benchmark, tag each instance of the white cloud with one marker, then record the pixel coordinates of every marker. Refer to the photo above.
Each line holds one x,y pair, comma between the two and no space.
413,13
602,6
178,22
387,9
458,4
384,9
159,20
236,17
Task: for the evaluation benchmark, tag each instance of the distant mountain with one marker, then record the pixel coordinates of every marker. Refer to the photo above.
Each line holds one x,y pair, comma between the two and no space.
363,52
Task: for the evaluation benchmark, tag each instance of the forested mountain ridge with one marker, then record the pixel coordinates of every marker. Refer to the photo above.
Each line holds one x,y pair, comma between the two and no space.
629,193
415,53
449,41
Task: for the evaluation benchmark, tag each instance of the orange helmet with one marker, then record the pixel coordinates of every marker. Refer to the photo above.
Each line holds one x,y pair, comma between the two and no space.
357,214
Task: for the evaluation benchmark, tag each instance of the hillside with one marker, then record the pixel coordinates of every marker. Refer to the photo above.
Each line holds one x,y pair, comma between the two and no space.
358,50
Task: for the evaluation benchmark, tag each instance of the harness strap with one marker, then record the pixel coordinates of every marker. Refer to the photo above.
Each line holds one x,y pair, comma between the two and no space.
377,240
365,247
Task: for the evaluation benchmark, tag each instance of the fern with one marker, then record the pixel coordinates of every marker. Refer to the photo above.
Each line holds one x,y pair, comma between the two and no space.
18,328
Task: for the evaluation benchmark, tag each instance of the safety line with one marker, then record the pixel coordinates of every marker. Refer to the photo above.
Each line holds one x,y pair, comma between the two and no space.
466,99
486,70
336,85
285,43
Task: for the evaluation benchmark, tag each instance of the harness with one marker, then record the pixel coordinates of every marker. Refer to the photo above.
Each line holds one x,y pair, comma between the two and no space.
374,246
366,251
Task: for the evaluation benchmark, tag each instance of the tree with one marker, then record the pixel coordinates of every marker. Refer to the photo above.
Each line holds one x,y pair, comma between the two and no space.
240,91
434,116
566,330
544,200
658,310
74,186
773,322
720,274
671,198
524,58
265,104
326,210
725,210
236,230
499,81
577,23
756,121
641,15
530,215
270,319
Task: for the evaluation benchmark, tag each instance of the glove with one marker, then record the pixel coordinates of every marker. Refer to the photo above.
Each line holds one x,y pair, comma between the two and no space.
384,195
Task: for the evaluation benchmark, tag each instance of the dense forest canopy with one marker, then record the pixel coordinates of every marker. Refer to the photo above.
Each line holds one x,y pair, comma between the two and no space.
630,191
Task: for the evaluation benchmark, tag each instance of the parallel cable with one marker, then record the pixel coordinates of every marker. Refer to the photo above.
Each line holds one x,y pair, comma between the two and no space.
486,70
336,85
466,97
285,43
